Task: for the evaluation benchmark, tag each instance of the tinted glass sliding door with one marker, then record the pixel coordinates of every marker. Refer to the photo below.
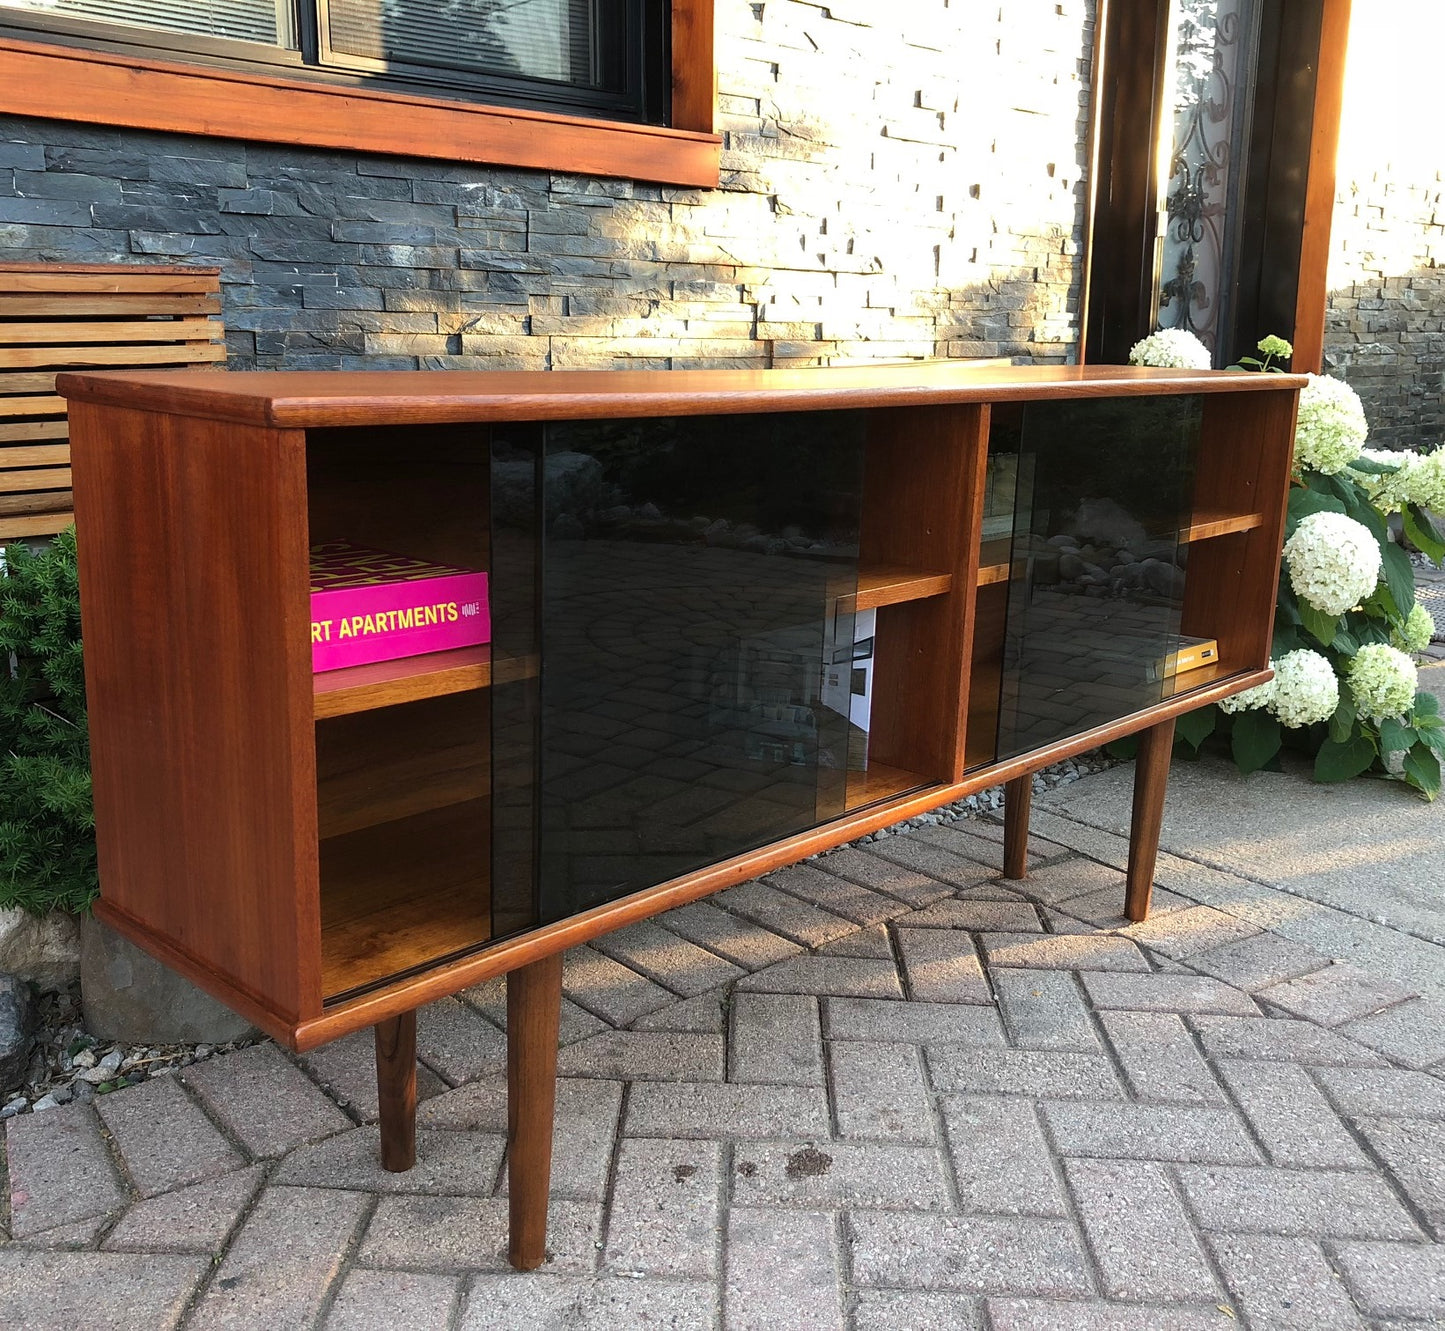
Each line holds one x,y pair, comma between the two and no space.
690,578
1096,589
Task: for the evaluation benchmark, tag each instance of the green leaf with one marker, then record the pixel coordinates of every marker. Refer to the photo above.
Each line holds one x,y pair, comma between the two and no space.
1342,723
1426,704
1303,502
1345,643
1433,738
1358,506
1286,603
1369,467
1423,533
1286,640
1123,748
1256,739
1422,770
1196,727
1320,626
1340,762
1395,736
1399,578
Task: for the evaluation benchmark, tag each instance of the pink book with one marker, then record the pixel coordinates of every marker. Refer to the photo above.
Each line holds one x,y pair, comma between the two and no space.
369,605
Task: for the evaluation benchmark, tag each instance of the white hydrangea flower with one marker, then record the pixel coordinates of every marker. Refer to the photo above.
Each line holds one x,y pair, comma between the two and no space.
1389,493
1334,562
1426,484
1416,632
1171,349
1382,680
1258,696
1331,428
1306,689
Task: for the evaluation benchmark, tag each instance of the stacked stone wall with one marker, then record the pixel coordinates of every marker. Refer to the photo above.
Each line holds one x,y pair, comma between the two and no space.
1385,323
898,181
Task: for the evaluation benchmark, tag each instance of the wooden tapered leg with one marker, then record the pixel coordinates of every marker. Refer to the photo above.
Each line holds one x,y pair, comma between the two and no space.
1018,799
396,1090
534,1003
1151,779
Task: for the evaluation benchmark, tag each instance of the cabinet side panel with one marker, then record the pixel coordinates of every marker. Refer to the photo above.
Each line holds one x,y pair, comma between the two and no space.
194,604
1246,444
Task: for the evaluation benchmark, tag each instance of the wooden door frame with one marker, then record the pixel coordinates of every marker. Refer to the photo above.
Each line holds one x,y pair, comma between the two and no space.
1290,178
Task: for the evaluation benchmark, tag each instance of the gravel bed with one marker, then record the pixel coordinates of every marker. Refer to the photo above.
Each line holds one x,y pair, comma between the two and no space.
69,1064
984,802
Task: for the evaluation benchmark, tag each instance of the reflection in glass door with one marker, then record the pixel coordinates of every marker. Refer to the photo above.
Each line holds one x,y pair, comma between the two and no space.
1096,588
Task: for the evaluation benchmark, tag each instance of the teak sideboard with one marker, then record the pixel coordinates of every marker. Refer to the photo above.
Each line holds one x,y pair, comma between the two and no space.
738,617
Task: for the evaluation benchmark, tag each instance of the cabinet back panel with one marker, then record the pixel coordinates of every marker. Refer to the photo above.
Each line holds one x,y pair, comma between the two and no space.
418,490
393,762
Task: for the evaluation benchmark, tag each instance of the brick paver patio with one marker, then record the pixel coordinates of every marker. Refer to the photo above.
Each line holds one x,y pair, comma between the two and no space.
881,1090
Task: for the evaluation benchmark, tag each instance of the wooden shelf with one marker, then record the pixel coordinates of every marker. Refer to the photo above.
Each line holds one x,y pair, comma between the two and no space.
881,782
891,585
409,678
401,895
1207,525
1197,679
1204,526
993,560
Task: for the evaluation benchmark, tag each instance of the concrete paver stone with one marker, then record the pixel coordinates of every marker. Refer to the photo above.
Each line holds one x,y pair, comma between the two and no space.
881,1089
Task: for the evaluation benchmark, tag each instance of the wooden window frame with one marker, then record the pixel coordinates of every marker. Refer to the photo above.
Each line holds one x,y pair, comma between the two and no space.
100,88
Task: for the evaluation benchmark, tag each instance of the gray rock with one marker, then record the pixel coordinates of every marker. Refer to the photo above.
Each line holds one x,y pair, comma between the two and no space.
17,1029
1163,578
129,996
1107,520
42,948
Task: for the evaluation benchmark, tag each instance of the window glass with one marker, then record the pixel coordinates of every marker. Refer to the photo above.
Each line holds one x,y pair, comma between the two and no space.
541,39
267,21
585,57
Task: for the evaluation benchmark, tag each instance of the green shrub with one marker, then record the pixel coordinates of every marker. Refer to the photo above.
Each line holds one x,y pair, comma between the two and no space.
47,821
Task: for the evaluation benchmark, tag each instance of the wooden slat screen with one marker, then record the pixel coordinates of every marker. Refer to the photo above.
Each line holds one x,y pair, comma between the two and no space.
59,317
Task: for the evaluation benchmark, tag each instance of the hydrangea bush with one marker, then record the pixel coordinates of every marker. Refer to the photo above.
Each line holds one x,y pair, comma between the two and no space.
1347,626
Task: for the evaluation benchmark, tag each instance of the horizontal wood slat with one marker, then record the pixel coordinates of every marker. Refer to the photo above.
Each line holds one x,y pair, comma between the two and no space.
49,501
26,383
75,304
148,330
53,317
42,456
28,431
35,404
187,354
46,478
47,524
126,277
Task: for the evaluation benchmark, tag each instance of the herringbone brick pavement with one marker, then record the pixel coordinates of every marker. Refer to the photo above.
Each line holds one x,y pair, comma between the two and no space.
882,1090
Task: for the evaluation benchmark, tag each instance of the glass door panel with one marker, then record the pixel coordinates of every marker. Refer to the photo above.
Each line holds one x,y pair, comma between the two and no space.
691,577
1096,582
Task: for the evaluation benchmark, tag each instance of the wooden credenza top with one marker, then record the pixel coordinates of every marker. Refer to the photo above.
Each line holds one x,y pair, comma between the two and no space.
304,399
